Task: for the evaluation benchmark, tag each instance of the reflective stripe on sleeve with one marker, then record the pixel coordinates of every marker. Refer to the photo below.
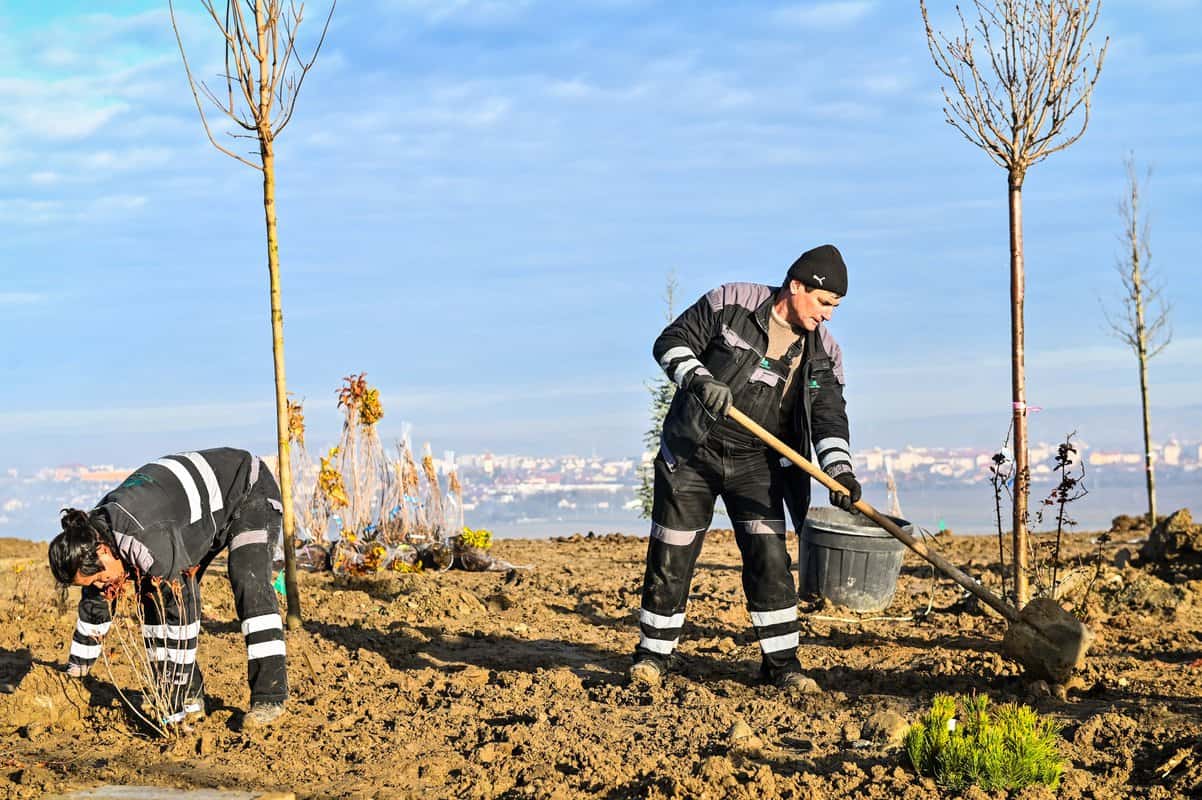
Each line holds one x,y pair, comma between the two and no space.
683,369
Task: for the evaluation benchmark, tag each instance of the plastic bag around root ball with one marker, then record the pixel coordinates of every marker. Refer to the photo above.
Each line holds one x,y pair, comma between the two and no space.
371,557
312,557
438,556
476,559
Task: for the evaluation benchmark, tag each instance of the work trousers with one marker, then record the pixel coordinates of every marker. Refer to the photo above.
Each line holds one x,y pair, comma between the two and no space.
172,610
754,486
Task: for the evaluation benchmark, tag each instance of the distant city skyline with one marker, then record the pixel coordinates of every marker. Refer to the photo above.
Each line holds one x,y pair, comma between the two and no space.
532,495
1105,427
940,461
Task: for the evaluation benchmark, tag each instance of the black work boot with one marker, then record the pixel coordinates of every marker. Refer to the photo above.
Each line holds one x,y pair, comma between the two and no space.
648,670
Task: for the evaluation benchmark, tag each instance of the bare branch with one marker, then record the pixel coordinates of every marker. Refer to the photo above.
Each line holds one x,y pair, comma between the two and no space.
1146,327
1042,75
196,96
304,69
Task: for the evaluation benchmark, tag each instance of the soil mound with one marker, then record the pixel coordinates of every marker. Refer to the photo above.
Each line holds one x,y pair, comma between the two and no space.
43,699
1175,538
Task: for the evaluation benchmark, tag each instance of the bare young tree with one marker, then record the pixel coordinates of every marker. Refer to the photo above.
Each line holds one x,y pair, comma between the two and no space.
1022,77
263,76
1144,324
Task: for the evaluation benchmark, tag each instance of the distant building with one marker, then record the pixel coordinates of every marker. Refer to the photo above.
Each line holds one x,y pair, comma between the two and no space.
1102,458
105,475
67,472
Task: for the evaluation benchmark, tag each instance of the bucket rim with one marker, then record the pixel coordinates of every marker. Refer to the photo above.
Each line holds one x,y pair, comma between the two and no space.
836,520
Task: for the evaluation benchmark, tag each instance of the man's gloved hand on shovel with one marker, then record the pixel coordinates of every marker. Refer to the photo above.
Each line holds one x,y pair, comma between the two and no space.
714,395
845,500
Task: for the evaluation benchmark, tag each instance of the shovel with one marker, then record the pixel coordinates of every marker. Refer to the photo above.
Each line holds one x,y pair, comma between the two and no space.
1048,641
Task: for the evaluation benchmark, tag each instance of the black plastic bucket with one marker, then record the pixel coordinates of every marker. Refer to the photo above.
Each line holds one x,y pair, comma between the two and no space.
849,559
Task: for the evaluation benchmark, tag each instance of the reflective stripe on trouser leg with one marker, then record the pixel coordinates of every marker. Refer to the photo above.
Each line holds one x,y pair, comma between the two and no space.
770,590
85,642
252,542
682,508
671,557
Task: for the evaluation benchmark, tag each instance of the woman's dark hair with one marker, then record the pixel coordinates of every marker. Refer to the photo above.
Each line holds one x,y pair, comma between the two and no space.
74,551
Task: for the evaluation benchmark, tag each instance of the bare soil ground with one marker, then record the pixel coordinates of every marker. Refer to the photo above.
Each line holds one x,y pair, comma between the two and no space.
513,685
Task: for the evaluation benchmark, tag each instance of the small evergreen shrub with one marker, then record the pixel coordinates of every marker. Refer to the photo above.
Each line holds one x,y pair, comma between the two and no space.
1001,747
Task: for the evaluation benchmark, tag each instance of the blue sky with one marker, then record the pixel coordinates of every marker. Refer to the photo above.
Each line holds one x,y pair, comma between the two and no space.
479,203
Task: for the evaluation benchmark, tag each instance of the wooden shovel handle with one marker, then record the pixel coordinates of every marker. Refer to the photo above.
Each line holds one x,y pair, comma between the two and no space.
941,563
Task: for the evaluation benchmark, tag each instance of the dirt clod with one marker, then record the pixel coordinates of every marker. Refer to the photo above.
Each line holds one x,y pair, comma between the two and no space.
886,727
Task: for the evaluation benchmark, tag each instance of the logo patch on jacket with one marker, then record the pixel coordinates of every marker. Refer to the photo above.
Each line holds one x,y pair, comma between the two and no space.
813,383
137,479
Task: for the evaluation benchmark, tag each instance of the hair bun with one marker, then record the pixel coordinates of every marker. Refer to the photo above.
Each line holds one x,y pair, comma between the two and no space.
75,519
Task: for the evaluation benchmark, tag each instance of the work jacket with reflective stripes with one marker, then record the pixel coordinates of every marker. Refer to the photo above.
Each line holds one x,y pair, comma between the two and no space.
725,334
166,516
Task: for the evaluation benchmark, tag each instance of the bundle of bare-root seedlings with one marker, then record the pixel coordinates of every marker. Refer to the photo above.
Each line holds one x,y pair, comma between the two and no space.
361,512
310,511
149,650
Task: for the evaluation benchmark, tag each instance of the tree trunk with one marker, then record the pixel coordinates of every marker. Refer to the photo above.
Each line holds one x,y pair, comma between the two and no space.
1141,339
281,384
1022,474
1148,466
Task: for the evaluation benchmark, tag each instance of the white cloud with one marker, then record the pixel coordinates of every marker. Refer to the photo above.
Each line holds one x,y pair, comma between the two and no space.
133,158
462,12
109,26
131,420
886,83
824,15
20,298
845,111
23,211
580,89
58,56
1065,362
444,107
116,204
51,120
45,178
471,398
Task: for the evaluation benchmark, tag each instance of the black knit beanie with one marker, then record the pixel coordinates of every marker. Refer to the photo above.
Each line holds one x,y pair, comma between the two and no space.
821,268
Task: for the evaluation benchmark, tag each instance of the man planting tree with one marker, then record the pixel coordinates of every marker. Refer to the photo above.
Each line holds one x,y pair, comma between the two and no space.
160,529
765,351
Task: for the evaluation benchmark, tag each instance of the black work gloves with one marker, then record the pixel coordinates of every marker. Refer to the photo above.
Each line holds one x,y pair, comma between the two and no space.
714,395
844,500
